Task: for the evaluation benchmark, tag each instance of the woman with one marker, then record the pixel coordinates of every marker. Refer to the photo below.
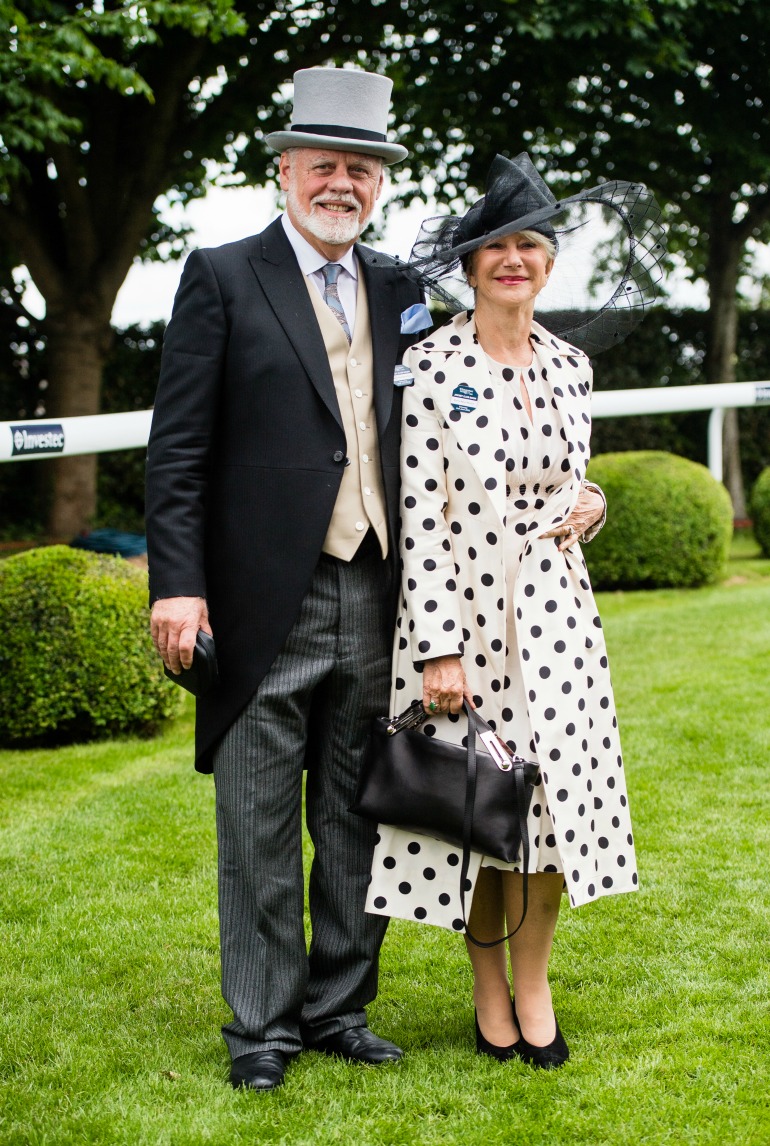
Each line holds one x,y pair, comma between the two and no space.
497,605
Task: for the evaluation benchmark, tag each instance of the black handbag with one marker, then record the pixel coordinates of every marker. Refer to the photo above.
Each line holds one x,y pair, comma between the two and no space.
476,799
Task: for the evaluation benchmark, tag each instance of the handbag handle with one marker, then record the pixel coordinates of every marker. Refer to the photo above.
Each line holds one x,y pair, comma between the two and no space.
470,799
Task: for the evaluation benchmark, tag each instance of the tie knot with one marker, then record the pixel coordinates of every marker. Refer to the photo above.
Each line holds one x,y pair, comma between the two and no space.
331,273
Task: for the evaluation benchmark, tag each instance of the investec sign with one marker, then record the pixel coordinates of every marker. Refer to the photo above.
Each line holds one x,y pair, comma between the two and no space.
37,439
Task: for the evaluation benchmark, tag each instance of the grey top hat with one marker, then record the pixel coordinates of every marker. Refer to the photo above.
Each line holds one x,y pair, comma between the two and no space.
343,109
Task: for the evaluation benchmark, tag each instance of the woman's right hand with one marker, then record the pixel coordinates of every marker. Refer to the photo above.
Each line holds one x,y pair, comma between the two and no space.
444,685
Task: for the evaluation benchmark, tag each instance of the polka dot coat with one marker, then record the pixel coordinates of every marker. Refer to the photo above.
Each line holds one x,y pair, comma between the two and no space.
481,483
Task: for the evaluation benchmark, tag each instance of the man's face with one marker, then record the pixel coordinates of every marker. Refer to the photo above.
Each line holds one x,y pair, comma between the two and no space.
330,194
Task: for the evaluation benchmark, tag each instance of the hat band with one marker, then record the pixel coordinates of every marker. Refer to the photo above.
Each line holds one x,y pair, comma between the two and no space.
342,132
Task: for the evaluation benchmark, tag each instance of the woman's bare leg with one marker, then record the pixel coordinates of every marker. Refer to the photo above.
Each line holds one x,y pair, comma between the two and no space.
491,989
530,950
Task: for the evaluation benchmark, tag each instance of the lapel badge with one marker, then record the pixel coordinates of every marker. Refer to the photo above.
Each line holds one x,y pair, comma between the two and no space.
465,399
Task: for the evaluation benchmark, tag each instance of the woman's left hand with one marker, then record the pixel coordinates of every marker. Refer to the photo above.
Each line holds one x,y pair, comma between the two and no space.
588,510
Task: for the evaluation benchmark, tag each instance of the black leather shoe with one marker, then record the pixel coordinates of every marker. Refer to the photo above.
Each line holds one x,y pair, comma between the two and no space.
359,1044
502,1054
260,1070
548,1057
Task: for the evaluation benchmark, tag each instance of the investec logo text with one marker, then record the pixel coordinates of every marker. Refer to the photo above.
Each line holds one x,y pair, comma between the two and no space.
37,439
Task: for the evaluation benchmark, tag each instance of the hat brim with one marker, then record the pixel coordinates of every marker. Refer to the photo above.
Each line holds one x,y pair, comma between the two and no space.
610,244
387,152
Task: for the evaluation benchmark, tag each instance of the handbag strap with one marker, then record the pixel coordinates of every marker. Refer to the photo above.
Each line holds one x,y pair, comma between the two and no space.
470,799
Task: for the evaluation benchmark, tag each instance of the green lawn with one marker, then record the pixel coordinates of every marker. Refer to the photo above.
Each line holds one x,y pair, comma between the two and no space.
109,1024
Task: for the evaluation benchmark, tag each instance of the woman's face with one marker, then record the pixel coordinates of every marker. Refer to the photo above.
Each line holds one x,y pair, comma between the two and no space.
510,271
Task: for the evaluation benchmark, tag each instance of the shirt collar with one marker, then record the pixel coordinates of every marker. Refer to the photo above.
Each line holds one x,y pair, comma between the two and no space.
310,260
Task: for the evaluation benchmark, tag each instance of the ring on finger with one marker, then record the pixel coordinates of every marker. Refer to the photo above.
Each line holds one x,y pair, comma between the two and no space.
433,706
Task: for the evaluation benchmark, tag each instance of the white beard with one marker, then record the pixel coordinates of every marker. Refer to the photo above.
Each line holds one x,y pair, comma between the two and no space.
339,231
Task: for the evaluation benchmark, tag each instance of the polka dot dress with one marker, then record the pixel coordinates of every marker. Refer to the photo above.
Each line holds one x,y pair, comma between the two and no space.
481,483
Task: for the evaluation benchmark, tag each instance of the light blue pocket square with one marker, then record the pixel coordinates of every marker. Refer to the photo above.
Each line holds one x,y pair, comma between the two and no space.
415,318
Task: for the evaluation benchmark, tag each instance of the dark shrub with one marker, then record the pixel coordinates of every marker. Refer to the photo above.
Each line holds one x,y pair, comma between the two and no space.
760,511
669,523
76,659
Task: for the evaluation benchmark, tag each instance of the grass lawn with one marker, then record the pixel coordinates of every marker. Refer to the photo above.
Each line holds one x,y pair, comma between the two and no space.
109,1024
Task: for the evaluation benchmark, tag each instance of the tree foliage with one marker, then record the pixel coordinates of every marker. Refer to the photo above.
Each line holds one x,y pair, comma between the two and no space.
156,92
672,92
105,107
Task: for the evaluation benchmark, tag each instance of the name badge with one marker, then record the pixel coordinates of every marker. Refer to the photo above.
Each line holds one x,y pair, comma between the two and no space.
465,399
403,376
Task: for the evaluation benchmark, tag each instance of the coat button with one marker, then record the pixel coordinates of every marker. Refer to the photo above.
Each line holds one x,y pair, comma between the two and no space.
338,456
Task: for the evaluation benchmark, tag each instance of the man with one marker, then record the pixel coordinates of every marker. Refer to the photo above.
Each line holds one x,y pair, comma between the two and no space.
272,483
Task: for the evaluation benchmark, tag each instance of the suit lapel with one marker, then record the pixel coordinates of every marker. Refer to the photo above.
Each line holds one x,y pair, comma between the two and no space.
282,282
384,322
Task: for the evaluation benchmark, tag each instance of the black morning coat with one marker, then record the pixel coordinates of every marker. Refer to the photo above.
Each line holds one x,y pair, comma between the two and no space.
247,450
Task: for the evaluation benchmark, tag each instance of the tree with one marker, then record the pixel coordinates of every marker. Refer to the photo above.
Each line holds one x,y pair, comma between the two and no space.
672,92
44,53
83,134
140,98
107,108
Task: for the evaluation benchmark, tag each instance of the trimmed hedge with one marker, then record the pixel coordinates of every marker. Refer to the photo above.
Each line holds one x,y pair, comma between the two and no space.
760,511
76,658
669,522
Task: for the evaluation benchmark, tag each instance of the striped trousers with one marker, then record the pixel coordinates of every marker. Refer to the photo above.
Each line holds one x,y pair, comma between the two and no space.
312,710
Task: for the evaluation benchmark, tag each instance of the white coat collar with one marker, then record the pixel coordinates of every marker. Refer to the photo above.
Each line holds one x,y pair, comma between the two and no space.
451,358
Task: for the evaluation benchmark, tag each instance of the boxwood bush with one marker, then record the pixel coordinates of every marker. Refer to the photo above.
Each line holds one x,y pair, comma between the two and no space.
669,522
76,659
760,510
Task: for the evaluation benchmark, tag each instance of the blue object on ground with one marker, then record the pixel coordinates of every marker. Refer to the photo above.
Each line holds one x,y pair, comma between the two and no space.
112,541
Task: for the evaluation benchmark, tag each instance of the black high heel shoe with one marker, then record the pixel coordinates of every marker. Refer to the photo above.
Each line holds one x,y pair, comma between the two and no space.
549,1057
502,1054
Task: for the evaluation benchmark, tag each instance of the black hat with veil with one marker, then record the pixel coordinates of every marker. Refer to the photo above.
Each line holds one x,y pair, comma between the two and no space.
609,240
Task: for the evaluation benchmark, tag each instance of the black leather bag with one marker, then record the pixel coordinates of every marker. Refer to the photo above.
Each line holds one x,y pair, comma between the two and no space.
475,798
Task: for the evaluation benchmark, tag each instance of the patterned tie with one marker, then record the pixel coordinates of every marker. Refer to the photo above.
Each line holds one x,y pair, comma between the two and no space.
331,296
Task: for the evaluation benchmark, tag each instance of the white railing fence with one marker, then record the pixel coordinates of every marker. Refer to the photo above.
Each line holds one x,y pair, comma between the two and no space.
27,440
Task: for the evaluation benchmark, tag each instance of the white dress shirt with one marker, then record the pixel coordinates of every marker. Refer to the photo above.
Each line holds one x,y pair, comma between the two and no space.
311,263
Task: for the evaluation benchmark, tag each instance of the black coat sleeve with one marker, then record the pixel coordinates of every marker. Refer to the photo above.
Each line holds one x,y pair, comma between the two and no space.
184,421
